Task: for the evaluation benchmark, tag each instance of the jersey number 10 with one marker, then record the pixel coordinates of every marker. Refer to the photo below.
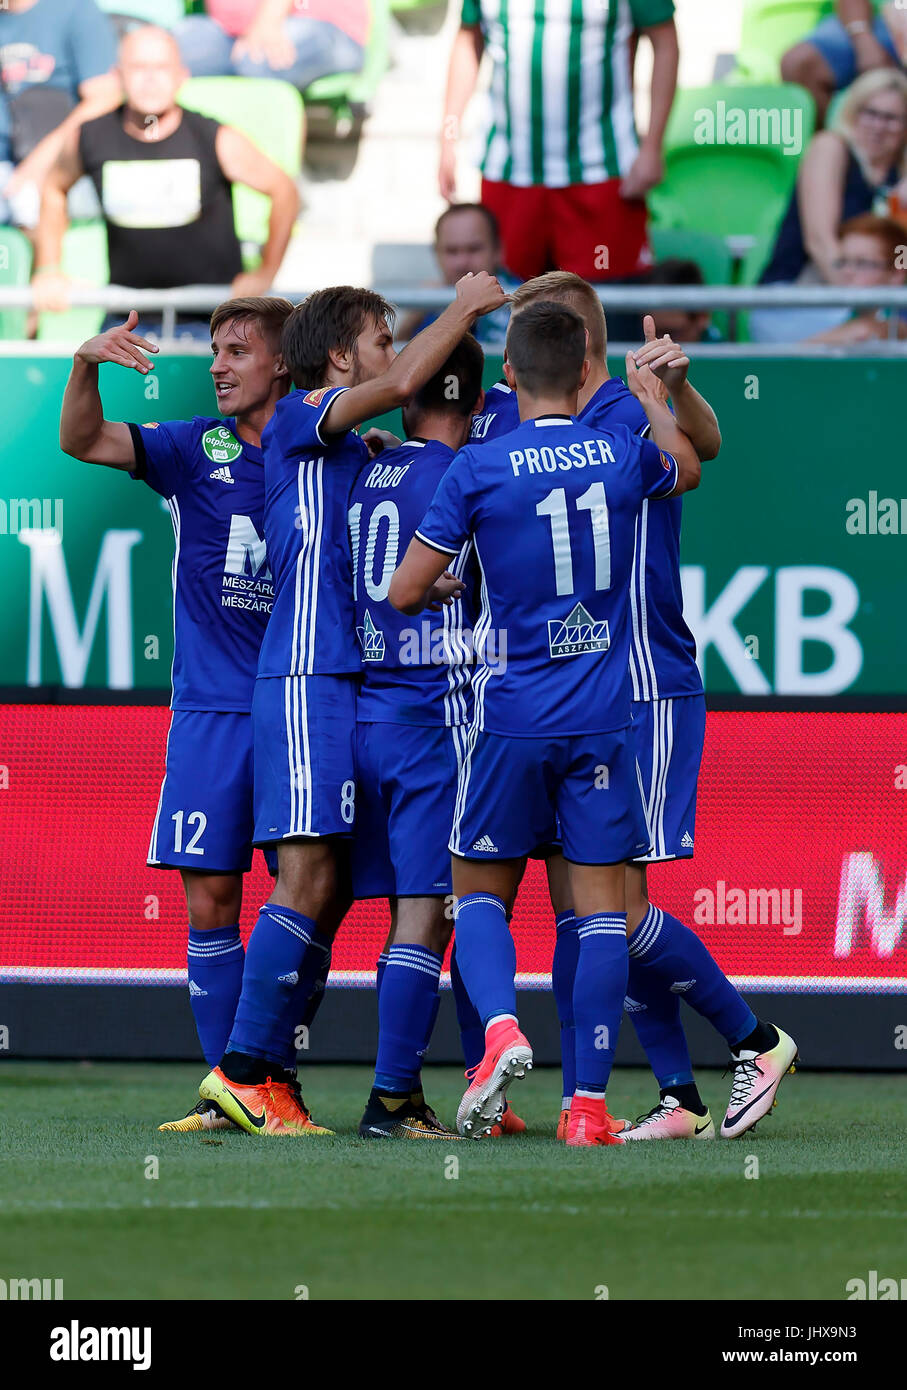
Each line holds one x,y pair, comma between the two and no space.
593,501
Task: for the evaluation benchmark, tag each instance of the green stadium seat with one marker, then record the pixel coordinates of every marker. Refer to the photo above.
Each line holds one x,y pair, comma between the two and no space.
348,93
271,113
15,271
164,13
709,252
728,190
85,262
770,28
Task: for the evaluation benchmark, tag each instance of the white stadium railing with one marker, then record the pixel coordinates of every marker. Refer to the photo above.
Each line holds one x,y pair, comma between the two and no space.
200,300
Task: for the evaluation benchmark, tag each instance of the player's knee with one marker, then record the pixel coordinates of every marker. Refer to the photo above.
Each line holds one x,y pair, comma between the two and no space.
213,901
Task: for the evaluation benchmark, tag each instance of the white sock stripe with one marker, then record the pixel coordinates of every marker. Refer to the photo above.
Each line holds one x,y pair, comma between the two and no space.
648,933
223,949
416,953
415,965
475,901
612,918
289,925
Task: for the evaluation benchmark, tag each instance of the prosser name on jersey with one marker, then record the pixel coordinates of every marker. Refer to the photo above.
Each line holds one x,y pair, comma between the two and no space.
551,510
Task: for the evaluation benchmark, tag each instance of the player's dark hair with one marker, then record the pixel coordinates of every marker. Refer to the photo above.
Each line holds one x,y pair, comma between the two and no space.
546,347
268,314
493,228
328,321
454,388
673,270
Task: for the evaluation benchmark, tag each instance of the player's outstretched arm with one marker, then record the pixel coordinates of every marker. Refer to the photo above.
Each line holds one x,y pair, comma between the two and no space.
417,363
421,580
665,431
692,411
84,433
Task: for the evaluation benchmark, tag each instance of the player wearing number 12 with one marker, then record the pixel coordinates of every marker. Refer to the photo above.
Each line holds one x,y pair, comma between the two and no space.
550,510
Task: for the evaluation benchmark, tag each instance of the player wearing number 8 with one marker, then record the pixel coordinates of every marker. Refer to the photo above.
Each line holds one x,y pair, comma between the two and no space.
551,510
338,347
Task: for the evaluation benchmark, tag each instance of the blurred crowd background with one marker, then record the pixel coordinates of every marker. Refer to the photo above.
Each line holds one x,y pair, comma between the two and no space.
290,144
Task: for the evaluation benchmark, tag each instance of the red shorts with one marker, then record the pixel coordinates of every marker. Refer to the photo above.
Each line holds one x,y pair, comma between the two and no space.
586,227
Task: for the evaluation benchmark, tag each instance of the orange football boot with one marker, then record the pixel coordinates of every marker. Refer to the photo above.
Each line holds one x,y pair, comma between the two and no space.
590,1124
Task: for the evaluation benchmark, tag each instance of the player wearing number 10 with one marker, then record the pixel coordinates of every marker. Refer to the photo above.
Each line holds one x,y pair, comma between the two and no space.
551,510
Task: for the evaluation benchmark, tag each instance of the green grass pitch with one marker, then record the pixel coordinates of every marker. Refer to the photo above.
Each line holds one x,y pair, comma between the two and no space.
229,1216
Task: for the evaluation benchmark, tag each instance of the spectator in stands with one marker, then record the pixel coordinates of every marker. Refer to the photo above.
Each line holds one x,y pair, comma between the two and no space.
871,252
563,171
683,325
164,177
467,240
56,58
856,168
863,35
297,40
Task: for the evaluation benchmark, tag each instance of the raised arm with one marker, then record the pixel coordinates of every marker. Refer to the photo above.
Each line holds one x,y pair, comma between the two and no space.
84,433
692,411
665,431
429,350
462,72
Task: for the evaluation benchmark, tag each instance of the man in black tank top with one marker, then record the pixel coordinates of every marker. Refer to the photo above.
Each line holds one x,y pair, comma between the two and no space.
164,178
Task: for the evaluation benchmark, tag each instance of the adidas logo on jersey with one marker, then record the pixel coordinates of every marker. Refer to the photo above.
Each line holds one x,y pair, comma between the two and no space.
291,979
681,986
195,992
687,841
579,632
223,475
486,845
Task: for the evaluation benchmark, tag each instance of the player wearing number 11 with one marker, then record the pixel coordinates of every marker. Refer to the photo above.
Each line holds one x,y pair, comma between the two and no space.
551,510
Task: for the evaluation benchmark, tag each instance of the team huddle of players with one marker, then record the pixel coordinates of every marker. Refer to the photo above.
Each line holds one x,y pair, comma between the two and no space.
402,668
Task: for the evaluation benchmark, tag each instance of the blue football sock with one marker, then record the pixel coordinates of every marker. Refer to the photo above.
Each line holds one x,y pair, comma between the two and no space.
274,962
472,1034
405,1008
563,973
215,962
426,1041
680,962
598,996
486,955
307,995
655,1014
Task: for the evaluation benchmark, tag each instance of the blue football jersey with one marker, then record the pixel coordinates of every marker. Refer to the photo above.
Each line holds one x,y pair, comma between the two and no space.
500,413
214,487
551,509
307,488
662,647
415,670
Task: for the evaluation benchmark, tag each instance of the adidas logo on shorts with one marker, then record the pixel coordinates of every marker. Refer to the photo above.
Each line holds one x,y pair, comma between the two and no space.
681,986
195,992
687,840
486,845
632,1006
291,979
223,475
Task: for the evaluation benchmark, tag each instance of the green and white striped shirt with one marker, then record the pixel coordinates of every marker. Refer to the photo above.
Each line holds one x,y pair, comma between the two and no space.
561,95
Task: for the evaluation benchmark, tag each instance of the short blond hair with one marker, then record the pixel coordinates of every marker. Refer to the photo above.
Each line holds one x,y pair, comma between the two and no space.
860,92
564,287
